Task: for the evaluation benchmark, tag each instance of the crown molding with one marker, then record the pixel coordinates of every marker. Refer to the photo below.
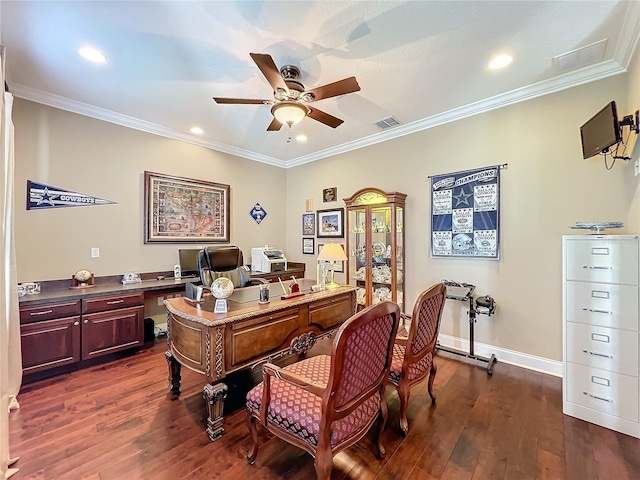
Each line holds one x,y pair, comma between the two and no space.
546,87
562,82
63,103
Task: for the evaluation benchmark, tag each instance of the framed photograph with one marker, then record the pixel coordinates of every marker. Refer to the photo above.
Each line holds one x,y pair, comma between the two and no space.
330,194
338,267
184,210
308,245
331,223
308,224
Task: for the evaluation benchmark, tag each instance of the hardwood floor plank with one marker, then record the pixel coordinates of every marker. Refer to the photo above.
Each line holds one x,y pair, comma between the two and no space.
118,421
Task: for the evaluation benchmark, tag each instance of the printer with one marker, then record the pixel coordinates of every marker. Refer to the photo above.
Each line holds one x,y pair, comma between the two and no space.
267,260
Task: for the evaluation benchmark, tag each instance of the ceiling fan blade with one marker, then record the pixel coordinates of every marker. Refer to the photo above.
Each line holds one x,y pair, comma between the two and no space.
268,68
248,101
274,126
324,117
348,85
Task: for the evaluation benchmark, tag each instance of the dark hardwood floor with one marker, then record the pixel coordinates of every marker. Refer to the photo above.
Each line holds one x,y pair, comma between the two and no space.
118,421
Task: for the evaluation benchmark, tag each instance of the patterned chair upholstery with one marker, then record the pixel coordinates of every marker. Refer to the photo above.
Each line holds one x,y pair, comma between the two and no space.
413,357
324,404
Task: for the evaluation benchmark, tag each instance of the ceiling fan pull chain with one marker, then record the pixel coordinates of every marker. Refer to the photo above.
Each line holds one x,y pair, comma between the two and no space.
289,133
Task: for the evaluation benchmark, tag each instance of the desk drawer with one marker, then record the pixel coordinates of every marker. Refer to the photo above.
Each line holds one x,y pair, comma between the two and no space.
49,311
255,338
100,304
331,312
603,348
603,391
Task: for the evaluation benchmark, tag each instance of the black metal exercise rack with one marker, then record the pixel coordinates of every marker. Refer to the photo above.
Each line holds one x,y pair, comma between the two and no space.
484,305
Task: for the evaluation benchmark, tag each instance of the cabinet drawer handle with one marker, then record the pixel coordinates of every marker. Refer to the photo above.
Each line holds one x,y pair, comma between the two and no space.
597,267
595,310
85,322
595,397
596,354
43,312
114,302
76,323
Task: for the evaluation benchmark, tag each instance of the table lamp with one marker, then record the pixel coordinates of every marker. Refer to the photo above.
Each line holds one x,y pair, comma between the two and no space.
332,252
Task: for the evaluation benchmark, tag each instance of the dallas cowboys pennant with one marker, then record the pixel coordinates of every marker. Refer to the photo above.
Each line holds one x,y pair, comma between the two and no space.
40,195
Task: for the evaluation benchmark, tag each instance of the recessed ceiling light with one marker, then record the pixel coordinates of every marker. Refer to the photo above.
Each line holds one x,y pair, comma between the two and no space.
301,138
92,54
197,130
500,61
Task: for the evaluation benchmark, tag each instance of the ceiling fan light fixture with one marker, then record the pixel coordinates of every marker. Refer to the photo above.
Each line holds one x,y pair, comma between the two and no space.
288,112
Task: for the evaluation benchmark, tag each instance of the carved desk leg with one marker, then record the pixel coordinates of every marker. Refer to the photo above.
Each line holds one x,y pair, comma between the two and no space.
215,396
174,373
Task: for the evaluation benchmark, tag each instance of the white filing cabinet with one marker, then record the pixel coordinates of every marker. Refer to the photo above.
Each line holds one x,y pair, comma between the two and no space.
600,330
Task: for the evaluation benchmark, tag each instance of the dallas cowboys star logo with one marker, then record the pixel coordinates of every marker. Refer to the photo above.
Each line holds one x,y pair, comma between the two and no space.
462,197
46,197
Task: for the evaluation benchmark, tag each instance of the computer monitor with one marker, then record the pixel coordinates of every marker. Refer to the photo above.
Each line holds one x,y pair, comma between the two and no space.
188,262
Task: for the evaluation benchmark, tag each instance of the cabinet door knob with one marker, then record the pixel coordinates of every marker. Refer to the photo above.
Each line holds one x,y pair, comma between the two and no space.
85,322
76,323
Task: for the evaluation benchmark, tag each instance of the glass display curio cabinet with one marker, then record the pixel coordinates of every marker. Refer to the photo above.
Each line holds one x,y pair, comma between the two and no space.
375,246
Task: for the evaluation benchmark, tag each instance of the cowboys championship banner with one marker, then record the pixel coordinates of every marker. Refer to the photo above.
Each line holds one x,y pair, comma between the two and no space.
40,195
465,213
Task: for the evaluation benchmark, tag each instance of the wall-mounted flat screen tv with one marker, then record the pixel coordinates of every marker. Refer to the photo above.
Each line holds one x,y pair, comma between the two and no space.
601,131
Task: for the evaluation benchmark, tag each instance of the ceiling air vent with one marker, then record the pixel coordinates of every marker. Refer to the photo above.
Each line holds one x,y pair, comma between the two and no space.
387,123
580,57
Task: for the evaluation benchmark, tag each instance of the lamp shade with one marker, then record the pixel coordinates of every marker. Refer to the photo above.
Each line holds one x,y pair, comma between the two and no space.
332,252
288,112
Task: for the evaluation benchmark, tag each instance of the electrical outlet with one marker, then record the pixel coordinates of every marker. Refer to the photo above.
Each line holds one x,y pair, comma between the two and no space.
95,252
636,167
160,301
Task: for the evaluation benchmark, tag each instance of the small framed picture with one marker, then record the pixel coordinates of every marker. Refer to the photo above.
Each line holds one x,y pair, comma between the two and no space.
331,223
330,194
308,245
338,267
308,224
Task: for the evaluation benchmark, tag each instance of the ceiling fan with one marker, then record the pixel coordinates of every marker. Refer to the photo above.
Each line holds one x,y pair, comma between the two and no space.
291,101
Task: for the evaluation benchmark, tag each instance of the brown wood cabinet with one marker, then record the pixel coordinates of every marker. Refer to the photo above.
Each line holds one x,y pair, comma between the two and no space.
50,336
67,332
375,245
111,324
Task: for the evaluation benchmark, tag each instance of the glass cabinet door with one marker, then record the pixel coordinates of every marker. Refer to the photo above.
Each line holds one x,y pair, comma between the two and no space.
357,252
375,244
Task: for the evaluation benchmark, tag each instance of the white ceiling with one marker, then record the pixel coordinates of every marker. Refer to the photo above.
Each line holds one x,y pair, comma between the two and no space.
422,62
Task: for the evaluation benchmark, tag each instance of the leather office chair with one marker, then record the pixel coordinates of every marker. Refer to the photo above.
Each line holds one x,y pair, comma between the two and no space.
324,404
223,261
413,357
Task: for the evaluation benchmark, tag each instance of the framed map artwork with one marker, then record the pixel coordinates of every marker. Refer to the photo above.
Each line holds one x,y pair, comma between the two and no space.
183,210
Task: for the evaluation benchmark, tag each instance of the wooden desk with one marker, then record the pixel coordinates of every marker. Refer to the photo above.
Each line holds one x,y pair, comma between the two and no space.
218,344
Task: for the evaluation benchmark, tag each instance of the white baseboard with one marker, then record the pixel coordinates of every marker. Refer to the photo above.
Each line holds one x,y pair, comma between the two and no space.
524,360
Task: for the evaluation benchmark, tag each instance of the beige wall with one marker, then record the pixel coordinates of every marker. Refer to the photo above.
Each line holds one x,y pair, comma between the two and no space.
546,188
104,160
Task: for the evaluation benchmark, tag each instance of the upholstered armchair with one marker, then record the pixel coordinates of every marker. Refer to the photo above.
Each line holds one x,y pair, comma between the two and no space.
413,356
324,404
